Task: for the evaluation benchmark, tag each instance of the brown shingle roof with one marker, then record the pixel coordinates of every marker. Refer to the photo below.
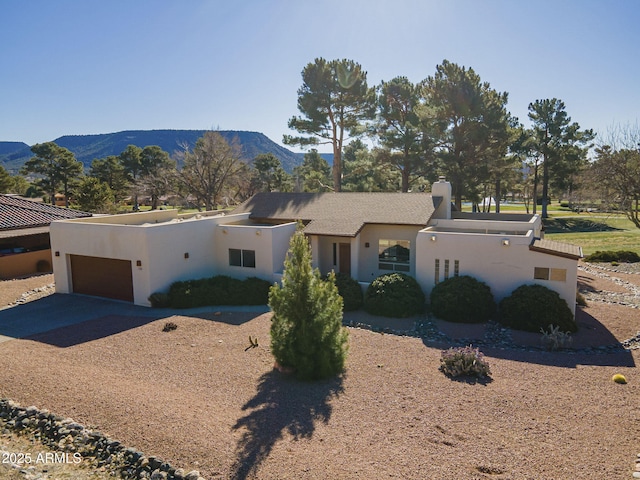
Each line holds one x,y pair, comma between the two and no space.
342,214
556,248
20,213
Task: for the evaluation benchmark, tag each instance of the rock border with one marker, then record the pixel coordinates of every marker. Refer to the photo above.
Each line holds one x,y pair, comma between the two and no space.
66,435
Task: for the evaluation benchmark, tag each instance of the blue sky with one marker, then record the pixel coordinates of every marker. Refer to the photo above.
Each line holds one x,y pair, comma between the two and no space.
93,66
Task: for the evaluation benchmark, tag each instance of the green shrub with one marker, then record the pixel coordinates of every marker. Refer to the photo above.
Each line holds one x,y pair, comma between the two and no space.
255,291
394,295
350,291
462,299
217,290
624,256
535,307
307,335
464,361
159,300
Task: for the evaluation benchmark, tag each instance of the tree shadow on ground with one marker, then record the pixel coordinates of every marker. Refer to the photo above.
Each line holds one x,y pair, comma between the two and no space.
574,225
281,405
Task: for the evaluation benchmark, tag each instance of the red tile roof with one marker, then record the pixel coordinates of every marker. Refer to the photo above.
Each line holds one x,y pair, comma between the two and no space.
19,213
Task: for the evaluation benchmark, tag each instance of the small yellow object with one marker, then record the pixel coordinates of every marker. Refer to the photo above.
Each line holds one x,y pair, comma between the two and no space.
619,378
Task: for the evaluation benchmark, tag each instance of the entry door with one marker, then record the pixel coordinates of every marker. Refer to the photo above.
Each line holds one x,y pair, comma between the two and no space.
345,258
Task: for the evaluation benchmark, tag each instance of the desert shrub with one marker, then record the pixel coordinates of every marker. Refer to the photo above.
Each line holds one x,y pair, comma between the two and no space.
217,290
159,300
535,307
350,291
554,339
462,299
307,335
580,300
624,256
464,361
394,295
169,327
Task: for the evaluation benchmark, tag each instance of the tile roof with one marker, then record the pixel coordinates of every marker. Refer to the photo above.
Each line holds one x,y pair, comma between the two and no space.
20,213
342,214
556,248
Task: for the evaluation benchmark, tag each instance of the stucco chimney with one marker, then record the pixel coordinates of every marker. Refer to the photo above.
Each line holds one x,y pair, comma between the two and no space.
442,188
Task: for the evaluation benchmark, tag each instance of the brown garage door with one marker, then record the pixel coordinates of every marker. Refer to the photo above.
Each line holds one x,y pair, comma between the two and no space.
102,277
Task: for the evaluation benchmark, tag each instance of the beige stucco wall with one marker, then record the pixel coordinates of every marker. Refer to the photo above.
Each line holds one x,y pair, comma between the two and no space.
160,247
269,242
503,268
19,264
368,256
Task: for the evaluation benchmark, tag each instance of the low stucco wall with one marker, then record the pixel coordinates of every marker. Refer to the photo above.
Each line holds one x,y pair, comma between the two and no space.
20,264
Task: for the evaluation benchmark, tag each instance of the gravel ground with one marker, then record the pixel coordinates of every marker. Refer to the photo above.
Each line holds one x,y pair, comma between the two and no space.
199,399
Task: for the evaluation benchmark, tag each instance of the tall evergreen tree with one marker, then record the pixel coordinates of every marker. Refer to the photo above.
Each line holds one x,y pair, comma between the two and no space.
561,144
270,175
157,173
306,329
132,164
110,170
471,122
400,132
335,101
314,173
57,167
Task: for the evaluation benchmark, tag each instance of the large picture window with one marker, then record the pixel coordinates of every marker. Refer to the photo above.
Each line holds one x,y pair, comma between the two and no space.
242,258
394,255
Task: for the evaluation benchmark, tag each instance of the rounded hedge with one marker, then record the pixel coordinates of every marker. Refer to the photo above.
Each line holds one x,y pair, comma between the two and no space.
624,256
394,295
350,291
462,299
535,307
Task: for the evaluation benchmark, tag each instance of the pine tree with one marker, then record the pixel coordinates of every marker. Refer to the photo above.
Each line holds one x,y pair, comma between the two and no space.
306,330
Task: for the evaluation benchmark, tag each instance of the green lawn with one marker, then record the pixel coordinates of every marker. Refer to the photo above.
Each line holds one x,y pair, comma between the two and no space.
595,232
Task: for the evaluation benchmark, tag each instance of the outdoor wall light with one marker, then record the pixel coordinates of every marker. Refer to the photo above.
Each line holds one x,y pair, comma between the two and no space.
186,255
433,238
138,263
366,245
224,230
57,254
505,242
258,232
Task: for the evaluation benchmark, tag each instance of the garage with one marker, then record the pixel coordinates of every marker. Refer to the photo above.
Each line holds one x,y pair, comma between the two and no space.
102,277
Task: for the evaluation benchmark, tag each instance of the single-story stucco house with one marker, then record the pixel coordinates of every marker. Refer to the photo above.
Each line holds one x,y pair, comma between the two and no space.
24,235
131,256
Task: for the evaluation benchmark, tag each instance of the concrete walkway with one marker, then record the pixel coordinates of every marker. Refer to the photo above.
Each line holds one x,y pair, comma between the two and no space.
58,310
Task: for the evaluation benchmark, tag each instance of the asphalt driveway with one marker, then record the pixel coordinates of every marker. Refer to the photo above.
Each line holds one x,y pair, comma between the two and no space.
62,310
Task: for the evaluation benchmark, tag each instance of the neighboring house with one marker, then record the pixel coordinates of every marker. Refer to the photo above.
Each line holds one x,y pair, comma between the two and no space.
362,234
24,235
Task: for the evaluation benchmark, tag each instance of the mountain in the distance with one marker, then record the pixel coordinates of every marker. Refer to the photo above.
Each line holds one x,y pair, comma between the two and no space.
86,148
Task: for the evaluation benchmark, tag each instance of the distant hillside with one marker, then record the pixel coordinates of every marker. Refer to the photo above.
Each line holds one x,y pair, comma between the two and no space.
9,151
89,147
